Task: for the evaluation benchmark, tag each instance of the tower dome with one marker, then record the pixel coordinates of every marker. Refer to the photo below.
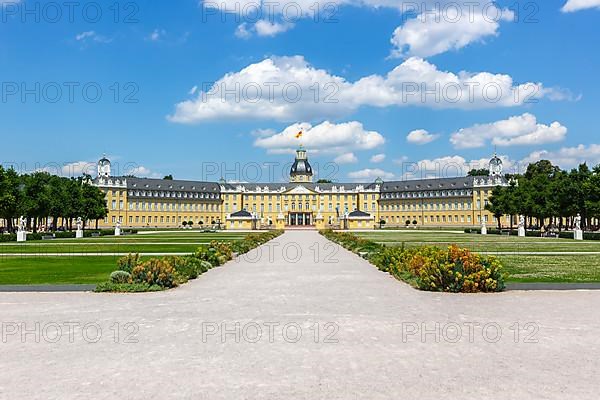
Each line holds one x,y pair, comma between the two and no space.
301,170
495,166
104,167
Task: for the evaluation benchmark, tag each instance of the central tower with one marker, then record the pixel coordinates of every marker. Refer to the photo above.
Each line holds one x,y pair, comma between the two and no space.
301,170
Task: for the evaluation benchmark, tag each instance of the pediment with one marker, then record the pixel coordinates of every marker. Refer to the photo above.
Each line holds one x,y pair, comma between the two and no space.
300,190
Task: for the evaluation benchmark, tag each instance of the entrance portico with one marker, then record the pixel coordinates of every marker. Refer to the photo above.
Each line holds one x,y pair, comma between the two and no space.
300,219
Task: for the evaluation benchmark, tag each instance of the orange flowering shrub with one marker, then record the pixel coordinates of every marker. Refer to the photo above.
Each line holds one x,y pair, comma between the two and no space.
454,269
155,272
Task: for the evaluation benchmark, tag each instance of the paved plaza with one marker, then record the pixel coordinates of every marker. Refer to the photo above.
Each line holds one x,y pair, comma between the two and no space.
300,318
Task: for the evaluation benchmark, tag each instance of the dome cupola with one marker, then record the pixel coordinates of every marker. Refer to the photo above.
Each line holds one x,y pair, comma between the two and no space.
104,167
301,170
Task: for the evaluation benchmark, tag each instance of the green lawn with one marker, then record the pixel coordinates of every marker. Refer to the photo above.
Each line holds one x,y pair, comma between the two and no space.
55,270
575,269
38,266
487,243
169,242
521,267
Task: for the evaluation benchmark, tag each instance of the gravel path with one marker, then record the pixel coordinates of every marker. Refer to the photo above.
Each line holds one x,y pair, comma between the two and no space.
300,319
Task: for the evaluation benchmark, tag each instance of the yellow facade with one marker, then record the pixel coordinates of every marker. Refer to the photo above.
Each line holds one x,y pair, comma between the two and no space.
153,203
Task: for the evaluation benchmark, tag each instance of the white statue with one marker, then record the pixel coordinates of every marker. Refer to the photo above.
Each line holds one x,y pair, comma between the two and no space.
521,229
22,224
79,223
577,222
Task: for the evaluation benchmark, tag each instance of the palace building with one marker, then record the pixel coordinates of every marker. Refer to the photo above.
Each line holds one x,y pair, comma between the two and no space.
162,203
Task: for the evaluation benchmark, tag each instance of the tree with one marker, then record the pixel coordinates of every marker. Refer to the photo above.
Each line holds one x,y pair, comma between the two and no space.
10,195
168,177
592,189
479,172
93,203
324,181
497,204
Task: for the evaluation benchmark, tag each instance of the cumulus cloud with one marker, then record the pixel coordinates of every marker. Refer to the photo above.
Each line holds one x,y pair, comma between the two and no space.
369,175
262,27
346,158
326,137
446,29
377,158
420,136
514,131
290,89
568,157
446,166
576,5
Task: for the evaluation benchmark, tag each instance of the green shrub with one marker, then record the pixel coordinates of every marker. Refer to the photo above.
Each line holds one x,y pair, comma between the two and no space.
120,277
155,272
186,267
205,266
107,287
129,261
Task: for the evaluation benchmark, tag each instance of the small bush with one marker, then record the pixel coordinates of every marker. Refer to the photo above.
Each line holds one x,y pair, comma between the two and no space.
120,277
128,262
205,266
155,272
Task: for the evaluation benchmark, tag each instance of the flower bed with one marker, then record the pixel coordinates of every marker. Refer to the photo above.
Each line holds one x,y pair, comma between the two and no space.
429,268
135,275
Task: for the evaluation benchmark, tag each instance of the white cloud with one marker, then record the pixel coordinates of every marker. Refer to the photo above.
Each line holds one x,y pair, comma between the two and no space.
84,35
420,136
326,137
290,89
346,158
514,131
157,35
370,175
71,169
445,29
242,31
266,28
92,35
262,27
568,157
446,166
377,158
576,5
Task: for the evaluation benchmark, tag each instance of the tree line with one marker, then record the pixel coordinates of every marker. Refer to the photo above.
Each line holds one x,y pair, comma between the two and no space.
47,200
549,197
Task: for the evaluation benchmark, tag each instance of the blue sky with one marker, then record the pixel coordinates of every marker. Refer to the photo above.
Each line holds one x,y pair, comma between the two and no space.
155,53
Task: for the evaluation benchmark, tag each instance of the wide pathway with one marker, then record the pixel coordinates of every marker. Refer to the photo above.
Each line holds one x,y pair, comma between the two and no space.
300,319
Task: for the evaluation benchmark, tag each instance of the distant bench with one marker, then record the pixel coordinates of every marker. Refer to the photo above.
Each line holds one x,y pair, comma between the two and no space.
95,234
47,237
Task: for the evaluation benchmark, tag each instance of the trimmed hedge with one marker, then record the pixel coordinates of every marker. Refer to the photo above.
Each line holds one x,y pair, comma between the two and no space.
536,233
454,269
12,237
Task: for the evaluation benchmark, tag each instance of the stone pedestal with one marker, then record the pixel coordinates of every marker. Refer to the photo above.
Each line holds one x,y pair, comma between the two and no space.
521,231
578,234
79,233
484,230
117,231
21,236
